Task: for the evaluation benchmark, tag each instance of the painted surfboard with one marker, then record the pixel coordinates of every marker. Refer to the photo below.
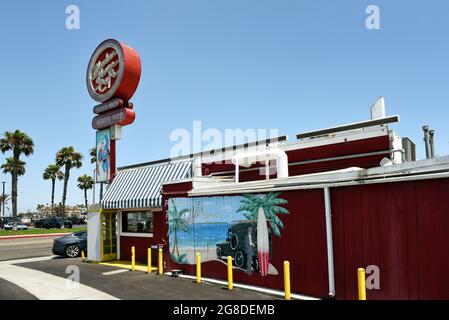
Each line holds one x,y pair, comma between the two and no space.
263,249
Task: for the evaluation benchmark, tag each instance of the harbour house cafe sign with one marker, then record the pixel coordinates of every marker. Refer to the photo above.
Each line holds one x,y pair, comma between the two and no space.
113,75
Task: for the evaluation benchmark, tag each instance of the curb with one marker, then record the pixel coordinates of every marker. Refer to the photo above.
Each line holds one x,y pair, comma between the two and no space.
46,235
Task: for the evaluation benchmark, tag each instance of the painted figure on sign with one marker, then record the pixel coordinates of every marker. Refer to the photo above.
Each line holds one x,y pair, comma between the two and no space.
249,248
103,158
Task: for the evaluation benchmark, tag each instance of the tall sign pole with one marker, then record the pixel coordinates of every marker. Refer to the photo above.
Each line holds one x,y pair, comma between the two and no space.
112,78
3,202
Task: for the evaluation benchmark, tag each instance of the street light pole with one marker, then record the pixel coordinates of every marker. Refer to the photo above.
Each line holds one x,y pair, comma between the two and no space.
3,202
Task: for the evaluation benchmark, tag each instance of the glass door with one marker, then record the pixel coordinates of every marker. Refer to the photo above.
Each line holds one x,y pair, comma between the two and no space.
109,236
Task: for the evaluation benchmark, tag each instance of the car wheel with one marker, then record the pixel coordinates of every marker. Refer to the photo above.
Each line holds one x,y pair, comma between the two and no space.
240,259
219,252
72,251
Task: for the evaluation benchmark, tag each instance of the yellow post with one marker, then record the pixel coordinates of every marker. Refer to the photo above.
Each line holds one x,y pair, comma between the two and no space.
361,283
133,258
82,255
198,267
159,262
287,280
149,260
230,280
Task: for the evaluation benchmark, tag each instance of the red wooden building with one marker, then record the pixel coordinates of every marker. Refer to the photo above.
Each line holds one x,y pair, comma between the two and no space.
335,200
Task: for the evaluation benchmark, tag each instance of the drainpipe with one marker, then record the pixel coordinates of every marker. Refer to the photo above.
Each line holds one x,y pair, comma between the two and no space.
432,143
329,242
427,141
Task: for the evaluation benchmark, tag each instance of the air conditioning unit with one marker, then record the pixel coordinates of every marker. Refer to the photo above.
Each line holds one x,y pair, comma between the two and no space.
409,154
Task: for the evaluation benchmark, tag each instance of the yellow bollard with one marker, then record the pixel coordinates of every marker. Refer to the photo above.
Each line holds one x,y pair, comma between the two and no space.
230,280
82,255
133,258
287,280
198,267
149,260
361,283
159,262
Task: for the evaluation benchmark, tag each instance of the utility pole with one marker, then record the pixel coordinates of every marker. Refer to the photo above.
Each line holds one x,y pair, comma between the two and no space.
3,202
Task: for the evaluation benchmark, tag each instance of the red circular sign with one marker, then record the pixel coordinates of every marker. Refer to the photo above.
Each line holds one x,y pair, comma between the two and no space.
113,72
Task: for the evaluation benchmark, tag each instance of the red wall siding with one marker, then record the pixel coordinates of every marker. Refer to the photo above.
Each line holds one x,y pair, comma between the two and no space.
142,244
320,152
400,227
303,243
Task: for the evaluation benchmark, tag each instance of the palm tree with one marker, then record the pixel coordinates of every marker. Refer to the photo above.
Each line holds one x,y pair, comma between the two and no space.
270,203
53,172
93,159
68,158
3,200
18,142
176,222
85,183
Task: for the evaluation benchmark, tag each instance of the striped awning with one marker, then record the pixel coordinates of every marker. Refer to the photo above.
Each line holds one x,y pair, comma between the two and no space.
141,187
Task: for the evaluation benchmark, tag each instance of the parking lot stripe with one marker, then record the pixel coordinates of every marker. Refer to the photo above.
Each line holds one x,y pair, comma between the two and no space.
114,272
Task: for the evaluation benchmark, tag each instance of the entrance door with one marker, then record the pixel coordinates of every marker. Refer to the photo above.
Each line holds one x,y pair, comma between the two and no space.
109,236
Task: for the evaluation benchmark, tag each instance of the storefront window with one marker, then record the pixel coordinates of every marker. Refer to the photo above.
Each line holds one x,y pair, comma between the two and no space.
137,222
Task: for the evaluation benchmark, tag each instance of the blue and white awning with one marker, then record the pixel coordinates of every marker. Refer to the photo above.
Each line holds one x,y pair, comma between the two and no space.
141,187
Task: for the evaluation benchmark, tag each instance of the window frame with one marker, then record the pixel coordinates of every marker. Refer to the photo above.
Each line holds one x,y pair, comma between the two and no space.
136,234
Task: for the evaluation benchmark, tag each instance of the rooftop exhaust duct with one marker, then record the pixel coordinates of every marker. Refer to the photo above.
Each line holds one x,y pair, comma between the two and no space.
432,143
429,142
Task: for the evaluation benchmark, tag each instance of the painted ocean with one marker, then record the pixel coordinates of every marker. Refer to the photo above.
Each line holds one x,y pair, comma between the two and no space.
203,235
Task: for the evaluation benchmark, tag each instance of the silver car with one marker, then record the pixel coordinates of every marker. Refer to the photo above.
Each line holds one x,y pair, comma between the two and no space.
10,226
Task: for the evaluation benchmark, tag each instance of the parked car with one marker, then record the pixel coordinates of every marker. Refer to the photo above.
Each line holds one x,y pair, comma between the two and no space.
70,245
20,226
39,223
4,221
68,224
53,223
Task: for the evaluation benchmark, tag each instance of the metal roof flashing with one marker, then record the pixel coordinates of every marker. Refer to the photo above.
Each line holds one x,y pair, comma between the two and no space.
409,171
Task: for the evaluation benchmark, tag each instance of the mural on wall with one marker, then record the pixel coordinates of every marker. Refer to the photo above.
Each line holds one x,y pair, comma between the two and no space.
238,226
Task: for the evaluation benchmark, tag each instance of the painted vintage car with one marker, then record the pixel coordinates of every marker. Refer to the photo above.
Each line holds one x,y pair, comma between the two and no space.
236,247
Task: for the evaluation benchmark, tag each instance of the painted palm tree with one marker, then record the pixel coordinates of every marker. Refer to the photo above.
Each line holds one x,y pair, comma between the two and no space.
93,159
270,203
85,183
19,143
176,222
4,199
53,172
68,158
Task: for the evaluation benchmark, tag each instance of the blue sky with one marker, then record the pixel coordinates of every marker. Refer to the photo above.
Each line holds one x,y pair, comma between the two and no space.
291,65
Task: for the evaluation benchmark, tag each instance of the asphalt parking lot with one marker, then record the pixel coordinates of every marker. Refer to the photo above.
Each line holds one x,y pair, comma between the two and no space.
139,285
